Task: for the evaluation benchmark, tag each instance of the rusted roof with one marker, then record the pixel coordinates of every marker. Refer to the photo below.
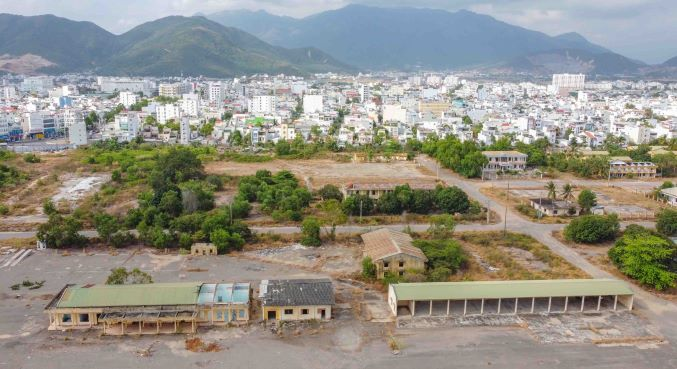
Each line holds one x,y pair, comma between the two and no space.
385,242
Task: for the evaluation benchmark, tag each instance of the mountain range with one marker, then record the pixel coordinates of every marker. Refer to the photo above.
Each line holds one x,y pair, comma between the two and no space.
168,46
353,38
411,38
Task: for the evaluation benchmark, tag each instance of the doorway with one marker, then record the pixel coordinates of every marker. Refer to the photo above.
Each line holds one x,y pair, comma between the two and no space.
272,315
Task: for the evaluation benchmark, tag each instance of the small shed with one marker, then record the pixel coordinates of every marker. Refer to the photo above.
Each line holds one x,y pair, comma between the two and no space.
296,299
203,249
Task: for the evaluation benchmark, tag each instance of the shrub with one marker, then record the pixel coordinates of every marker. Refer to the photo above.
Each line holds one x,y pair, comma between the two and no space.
592,228
329,192
452,200
310,228
647,258
368,268
122,239
352,204
31,158
443,253
441,226
666,223
587,200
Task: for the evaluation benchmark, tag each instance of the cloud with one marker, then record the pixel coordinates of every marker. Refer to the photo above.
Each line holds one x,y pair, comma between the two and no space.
641,29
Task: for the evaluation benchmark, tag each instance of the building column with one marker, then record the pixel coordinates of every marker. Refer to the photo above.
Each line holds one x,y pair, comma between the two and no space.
582,303
448,303
430,312
632,302
533,303
549,303
140,327
157,327
122,325
566,303
498,310
516,304
615,301
465,306
599,302
413,307
482,307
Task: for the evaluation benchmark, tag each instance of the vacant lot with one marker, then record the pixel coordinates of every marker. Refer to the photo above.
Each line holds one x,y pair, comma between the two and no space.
514,256
317,173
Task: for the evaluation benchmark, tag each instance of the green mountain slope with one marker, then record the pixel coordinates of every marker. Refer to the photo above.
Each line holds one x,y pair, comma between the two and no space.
168,46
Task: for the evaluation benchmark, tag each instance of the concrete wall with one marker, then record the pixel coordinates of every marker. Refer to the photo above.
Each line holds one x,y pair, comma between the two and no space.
281,312
409,262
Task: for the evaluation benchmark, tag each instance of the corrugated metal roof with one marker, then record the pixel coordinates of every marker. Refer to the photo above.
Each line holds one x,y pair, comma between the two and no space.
385,242
296,292
509,289
101,295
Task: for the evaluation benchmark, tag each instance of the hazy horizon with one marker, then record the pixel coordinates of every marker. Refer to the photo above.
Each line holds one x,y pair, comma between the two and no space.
640,29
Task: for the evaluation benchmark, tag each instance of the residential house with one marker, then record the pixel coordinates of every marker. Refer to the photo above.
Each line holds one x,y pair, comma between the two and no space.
296,299
392,252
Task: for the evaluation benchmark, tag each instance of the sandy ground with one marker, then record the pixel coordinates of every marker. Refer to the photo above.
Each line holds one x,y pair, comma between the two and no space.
321,172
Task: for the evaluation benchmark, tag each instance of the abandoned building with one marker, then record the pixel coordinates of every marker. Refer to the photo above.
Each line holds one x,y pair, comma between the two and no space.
376,190
505,160
148,308
202,249
508,297
296,299
555,208
392,252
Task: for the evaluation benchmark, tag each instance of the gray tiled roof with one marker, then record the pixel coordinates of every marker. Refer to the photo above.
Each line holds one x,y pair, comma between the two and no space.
296,292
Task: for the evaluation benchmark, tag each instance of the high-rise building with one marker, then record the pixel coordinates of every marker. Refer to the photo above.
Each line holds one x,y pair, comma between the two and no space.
313,104
365,93
190,105
173,89
77,133
216,91
570,82
167,112
128,98
262,104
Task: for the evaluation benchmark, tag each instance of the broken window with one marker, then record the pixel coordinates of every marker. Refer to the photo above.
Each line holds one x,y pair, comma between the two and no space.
304,311
84,318
66,318
288,311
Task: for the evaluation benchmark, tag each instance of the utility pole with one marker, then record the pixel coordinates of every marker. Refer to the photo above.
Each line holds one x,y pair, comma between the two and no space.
505,215
231,211
488,210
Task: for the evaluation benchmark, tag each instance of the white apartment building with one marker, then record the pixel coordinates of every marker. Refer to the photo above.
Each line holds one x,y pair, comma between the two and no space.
216,91
71,117
37,84
125,127
5,122
394,113
8,93
167,112
262,104
365,93
110,85
173,89
184,131
128,98
565,81
313,104
77,133
190,105
40,124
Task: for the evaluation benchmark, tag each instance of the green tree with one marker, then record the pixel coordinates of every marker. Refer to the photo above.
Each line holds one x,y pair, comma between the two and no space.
225,241
170,203
666,223
552,190
106,225
592,228
567,192
423,202
333,215
368,268
329,191
587,200
646,258
443,253
388,203
452,200
352,205
310,228
120,276
59,232
441,226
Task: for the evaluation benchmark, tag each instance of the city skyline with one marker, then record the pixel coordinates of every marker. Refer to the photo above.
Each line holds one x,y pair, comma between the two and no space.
637,29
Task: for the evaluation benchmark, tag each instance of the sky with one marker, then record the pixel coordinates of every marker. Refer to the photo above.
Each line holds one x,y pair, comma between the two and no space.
645,30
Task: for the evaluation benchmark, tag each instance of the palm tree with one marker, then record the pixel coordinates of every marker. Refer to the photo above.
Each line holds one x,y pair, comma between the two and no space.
552,190
567,192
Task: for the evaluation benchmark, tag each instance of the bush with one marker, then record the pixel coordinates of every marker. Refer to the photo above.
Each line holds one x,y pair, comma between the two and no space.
452,200
60,232
215,181
587,200
185,241
368,268
351,205
646,257
329,192
666,223
4,209
225,241
441,226
122,239
310,228
122,276
592,228
31,158
443,253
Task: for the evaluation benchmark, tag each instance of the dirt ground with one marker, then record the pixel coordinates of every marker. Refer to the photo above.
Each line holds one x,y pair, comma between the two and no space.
317,173
334,258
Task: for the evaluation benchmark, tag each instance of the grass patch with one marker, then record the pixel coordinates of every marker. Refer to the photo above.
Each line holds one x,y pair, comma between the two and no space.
493,248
